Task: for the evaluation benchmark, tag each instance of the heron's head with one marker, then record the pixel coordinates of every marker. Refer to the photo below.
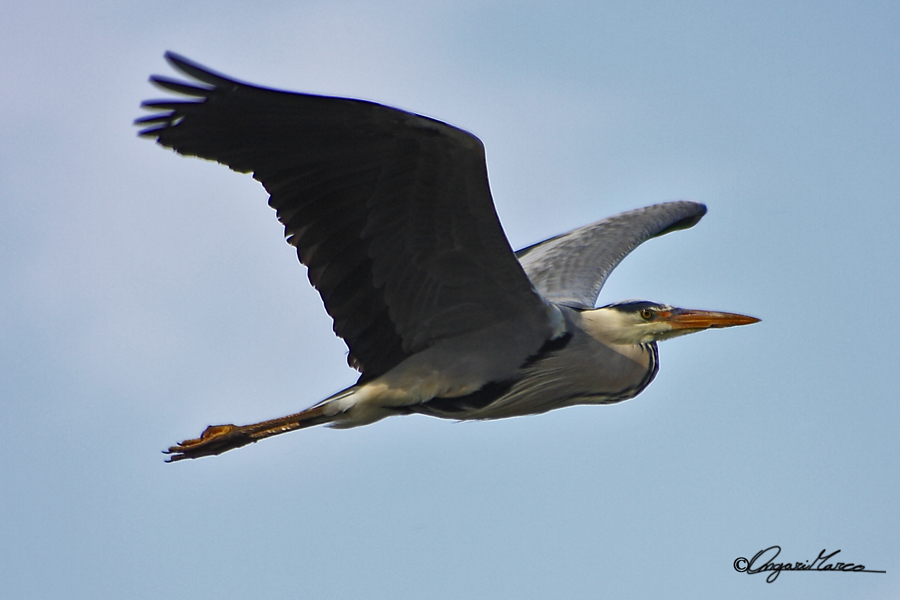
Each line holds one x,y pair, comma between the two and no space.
642,322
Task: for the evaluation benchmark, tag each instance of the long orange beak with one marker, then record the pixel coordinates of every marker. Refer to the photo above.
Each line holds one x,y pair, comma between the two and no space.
696,320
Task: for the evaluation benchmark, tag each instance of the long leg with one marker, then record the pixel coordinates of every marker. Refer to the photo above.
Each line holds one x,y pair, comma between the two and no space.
217,439
357,405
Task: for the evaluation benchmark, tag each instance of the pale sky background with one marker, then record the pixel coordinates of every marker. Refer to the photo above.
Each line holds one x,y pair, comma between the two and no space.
147,295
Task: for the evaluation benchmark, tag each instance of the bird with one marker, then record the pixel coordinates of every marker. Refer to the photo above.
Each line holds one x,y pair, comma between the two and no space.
392,215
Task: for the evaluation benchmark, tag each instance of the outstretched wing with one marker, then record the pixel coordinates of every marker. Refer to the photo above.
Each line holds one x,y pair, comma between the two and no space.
390,211
571,268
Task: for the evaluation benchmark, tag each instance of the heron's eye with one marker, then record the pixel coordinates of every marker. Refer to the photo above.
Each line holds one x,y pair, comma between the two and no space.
647,314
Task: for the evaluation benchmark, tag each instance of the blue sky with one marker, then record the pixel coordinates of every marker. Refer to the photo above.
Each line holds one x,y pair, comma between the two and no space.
147,295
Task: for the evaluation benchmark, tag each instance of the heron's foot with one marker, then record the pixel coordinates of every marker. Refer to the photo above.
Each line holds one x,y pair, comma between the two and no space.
216,439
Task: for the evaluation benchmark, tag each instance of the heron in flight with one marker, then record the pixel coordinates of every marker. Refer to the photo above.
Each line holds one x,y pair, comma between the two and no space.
392,215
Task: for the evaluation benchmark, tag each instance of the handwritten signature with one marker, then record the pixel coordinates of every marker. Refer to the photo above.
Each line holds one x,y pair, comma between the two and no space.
764,562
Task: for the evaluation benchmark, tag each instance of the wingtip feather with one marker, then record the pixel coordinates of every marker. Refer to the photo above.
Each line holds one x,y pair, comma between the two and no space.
195,70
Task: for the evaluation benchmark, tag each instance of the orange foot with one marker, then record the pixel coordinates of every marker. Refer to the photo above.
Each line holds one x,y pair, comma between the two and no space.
216,439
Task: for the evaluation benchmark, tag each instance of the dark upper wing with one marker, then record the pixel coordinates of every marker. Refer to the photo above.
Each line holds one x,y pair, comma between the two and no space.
571,268
390,211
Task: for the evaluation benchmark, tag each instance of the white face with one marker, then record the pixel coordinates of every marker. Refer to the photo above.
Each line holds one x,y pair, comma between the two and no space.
615,326
639,322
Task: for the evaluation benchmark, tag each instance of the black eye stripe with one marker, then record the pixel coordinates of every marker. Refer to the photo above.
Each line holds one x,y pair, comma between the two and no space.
636,306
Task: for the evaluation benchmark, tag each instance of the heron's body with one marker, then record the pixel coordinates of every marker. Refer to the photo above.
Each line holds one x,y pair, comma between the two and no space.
392,214
430,383
549,379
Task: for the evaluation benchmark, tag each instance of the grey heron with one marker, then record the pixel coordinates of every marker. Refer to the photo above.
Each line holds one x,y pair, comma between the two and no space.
392,215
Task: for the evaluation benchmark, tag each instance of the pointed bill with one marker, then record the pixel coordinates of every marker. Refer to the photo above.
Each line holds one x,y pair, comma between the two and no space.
696,320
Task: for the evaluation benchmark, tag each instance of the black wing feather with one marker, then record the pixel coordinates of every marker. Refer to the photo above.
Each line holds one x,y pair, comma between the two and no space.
391,211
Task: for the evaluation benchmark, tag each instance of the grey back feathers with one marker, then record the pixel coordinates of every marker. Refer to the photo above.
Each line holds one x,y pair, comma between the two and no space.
571,268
